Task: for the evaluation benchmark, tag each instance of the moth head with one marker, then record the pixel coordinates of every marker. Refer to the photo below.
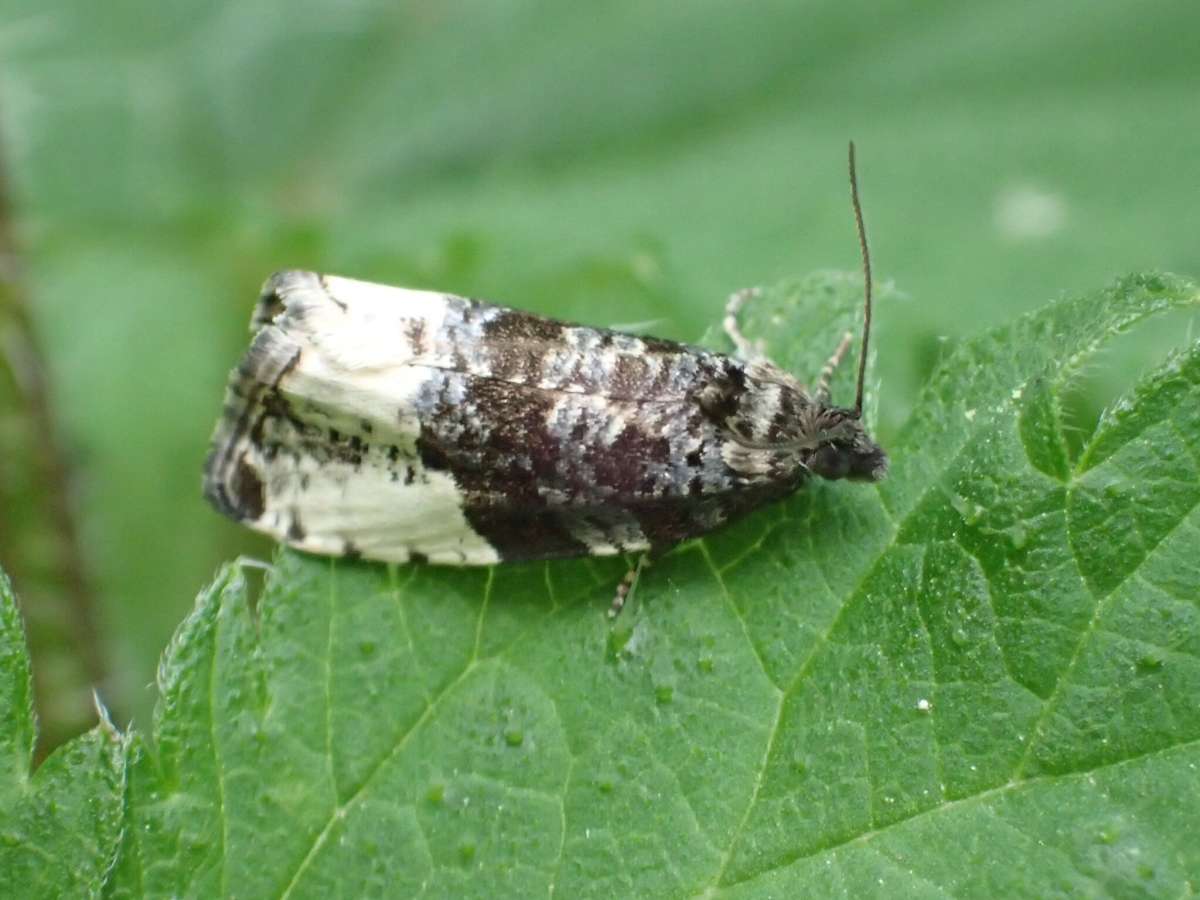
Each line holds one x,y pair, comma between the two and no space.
843,449
826,440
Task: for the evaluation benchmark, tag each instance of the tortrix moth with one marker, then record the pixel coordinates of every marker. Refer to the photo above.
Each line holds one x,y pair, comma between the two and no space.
402,425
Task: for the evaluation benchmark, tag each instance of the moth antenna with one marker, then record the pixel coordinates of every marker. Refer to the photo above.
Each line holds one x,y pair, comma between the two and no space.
866,263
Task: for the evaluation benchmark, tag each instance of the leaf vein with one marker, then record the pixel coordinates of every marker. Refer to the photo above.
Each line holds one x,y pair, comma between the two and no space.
1103,604
398,596
329,643
218,762
562,826
982,796
340,812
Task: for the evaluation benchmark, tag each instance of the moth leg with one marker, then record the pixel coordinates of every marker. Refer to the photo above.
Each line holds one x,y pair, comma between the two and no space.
628,583
746,348
822,393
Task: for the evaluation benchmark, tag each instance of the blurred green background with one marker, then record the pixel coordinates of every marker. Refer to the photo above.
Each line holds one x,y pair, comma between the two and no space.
612,162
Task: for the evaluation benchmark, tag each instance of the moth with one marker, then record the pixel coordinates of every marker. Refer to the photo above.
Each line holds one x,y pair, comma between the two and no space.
402,425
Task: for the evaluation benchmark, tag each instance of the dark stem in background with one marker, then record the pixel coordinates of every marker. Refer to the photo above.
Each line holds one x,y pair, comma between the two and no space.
39,535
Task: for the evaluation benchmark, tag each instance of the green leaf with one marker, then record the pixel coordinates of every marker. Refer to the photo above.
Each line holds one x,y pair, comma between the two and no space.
165,157
58,828
977,679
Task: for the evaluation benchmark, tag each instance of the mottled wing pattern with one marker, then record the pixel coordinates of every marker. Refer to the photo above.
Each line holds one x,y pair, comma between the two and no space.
401,424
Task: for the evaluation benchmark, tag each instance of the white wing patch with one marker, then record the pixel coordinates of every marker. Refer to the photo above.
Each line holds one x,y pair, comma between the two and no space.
318,445
341,509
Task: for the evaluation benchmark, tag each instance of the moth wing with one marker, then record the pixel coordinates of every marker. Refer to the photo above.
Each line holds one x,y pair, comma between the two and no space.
317,443
396,424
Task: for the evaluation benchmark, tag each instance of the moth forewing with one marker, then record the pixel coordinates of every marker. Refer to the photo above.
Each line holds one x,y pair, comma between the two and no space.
483,434
400,425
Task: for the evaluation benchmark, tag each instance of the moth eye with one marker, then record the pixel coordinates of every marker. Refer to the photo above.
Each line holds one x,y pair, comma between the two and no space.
830,462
